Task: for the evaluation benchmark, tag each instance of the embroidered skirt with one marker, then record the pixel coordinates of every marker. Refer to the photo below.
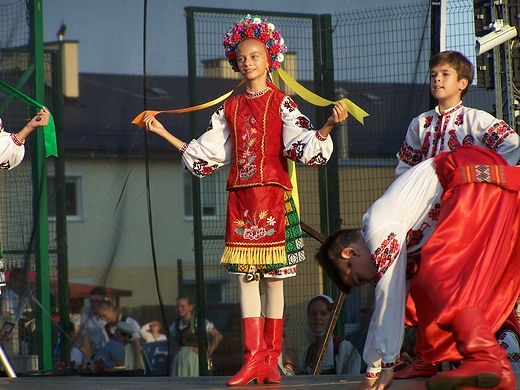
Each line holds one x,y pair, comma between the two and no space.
263,234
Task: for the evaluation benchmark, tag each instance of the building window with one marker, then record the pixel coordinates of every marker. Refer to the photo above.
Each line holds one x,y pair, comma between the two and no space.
73,198
209,196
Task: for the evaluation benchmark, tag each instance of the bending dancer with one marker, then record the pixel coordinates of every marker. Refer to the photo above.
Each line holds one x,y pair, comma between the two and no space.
466,279
255,132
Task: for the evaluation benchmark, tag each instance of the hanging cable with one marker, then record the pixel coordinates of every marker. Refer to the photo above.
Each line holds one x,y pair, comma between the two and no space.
148,196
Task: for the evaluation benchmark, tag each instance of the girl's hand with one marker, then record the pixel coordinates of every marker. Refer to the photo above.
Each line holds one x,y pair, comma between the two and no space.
339,114
153,125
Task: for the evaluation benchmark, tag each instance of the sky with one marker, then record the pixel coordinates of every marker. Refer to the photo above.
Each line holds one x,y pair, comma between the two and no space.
110,32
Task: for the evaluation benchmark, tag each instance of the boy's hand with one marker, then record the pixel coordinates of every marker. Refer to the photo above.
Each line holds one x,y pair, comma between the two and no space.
339,114
384,381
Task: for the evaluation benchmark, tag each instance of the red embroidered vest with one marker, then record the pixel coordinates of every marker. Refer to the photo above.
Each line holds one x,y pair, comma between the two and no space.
256,135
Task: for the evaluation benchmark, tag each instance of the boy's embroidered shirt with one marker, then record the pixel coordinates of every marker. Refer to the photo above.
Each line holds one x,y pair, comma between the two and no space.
433,132
398,223
214,148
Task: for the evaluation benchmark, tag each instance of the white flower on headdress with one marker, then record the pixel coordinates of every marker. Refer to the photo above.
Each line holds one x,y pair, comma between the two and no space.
270,26
257,20
280,57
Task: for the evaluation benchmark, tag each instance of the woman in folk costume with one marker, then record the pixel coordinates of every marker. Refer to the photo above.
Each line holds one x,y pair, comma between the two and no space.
255,132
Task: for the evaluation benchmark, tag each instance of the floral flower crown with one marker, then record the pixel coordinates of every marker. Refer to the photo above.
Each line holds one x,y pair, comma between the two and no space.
255,27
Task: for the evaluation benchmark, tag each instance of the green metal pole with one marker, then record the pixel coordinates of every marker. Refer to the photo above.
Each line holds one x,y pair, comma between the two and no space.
61,202
197,212
40,212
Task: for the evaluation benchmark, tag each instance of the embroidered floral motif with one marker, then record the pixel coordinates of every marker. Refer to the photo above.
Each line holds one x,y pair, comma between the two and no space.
459,120
289,104
453,142
296,152
496,134
426,144
468,140
5,165
372,375
385,255
415,236
201,168
428,121
245,161
304,123
317,160
434,213
251,227
409,155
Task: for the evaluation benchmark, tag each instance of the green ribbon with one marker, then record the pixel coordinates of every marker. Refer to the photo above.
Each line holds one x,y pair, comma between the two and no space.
49,131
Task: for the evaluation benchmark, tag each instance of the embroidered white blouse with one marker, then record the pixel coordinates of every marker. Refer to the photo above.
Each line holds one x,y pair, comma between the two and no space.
433,132
396,225
213,149
11,154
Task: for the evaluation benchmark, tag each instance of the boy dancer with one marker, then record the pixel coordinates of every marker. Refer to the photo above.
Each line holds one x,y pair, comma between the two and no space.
444,128
465,278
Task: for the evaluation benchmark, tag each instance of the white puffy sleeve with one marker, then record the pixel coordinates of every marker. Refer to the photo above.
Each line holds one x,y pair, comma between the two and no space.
302,142
11,154
211,150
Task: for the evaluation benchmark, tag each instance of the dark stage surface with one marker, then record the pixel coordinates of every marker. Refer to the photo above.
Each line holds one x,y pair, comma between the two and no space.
329,382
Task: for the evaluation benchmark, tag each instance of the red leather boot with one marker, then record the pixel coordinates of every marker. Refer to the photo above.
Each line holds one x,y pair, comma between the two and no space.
418,369
482,365
273,339
254,368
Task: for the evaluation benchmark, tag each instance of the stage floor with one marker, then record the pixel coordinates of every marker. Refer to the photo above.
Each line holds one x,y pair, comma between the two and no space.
328,382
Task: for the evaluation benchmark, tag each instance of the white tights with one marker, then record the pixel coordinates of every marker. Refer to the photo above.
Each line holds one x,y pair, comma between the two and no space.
250,297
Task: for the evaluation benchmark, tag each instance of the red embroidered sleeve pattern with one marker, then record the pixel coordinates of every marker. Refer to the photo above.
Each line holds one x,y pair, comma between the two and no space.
496,134
317,160
295,153
289,104
390,365
183,148
409,155
201,168
385,255
320,137
372,375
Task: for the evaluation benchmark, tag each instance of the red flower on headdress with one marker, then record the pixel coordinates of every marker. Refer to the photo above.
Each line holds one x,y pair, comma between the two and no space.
251,27
273,49
264,37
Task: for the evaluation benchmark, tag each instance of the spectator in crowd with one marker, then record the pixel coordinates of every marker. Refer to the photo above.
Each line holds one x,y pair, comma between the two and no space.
114,350
11,297
111,314
75,321
341,357
152,332
184,334
92,325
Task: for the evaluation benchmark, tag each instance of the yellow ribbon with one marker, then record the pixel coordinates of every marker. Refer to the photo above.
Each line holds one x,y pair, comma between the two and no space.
138,120
356,111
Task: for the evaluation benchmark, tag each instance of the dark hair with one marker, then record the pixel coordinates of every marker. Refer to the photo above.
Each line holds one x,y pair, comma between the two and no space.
459,62
329,254
75,306
322,299
98,291
106,305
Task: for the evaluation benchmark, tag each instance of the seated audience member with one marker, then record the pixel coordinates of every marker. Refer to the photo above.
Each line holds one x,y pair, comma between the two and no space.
341,357
112,316
91,326
152,332
114,350
184,334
